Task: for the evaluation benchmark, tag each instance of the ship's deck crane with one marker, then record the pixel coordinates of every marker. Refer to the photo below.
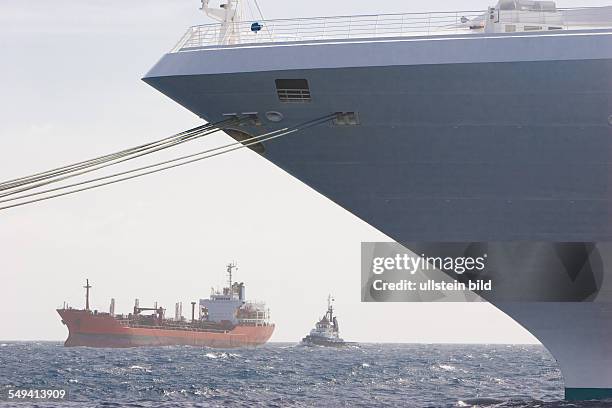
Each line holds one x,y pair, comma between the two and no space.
159,311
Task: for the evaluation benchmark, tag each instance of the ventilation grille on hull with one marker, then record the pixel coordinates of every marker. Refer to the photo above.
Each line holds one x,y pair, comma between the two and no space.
293,90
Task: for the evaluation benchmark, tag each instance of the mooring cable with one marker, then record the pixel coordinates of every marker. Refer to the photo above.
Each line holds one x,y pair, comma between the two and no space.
149,147
94,159
252,139
262,138
52,176
91,162
91,168
171,140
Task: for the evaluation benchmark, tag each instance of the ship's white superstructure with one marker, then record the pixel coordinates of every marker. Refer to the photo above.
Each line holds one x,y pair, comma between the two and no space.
230,305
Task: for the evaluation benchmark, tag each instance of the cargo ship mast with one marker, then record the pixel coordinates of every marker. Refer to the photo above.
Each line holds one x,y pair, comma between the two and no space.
330,312
230,267
87,287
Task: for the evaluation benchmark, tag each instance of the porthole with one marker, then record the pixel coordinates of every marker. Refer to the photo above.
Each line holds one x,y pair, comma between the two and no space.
274,116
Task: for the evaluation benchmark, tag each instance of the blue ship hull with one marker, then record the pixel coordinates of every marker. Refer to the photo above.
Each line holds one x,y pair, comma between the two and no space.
461,139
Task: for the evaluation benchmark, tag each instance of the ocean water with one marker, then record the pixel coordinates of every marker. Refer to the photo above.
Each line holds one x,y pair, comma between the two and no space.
287,375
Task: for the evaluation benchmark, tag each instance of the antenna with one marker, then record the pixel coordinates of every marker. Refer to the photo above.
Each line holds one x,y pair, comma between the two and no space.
87,287
330,306
229,16
230,267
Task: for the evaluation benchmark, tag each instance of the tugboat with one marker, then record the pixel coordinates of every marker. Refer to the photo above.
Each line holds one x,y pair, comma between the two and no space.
326,332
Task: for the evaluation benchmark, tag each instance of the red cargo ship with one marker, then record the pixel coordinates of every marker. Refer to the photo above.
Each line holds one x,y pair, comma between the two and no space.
225,320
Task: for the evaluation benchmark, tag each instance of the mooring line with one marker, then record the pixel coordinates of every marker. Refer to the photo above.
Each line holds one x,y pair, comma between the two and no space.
251,142
126,154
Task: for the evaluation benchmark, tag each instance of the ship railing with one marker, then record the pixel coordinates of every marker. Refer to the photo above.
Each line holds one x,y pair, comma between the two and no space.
253,322
324,28
377,26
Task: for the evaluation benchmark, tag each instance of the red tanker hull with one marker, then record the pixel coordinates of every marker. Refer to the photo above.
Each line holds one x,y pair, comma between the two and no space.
102,330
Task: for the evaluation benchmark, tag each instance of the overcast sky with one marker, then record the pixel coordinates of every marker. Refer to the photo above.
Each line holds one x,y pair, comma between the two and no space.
71,89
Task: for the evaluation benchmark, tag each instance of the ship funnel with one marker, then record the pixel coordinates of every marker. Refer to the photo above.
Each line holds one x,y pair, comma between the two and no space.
242,295
178,312
112,307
